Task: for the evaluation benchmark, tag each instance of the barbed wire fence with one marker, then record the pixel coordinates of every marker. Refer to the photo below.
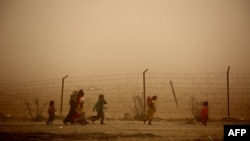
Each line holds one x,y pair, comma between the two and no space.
191,89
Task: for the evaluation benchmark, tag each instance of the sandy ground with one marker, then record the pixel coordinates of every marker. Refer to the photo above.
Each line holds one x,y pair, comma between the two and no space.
116,130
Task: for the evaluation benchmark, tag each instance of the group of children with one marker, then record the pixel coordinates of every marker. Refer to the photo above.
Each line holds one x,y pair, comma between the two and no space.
77,114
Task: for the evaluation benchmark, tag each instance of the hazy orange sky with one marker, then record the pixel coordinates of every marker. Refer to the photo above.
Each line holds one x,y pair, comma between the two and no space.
47,39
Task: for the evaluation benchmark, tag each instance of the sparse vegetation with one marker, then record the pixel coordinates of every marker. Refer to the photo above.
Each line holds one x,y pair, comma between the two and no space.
195,107
138,108
38,109
28,107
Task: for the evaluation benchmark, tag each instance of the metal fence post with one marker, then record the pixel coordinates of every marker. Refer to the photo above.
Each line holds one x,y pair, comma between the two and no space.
228,110
144,91
62,93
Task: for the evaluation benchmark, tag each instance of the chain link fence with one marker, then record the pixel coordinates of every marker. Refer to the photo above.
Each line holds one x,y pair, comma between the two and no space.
191,89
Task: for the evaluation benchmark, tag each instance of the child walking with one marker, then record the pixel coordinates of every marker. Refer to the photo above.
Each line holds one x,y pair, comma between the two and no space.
99,108
51,112
204,113
151,109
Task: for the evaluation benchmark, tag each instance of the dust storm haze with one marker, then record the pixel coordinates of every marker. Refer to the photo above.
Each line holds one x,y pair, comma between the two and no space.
46,39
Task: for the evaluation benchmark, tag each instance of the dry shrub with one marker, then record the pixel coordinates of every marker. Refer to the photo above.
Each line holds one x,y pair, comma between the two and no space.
138,108
38,109
195,108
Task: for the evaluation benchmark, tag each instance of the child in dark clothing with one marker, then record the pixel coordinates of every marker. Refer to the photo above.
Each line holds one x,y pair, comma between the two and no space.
204,113
51,112
99,108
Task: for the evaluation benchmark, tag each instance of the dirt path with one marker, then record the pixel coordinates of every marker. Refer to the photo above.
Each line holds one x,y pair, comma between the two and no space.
113,130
